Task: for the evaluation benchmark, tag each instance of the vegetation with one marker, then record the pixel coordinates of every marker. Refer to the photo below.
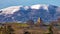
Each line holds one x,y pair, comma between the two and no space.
50,29
28,27
6,30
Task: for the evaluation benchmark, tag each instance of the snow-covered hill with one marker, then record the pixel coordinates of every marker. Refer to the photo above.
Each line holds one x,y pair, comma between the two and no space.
23,13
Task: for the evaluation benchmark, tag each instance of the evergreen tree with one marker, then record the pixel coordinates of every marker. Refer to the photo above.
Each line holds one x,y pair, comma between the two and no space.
50,29
0,29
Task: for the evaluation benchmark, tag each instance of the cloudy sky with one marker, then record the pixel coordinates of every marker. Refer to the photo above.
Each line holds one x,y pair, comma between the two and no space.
7,3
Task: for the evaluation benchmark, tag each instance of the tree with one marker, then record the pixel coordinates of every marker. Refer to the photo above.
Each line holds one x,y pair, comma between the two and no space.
1,29
6,29
9,30
50,29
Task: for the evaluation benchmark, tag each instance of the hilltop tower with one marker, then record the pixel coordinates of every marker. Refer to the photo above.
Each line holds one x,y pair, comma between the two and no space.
39,22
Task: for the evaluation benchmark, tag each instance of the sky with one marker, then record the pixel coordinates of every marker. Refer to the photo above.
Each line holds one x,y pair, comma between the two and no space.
7,3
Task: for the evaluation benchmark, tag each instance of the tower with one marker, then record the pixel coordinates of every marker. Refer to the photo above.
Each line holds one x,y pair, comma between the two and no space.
39,22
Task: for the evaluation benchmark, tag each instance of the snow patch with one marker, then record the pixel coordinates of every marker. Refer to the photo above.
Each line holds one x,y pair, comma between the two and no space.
35,6
10,10
38,6
45,7
26,7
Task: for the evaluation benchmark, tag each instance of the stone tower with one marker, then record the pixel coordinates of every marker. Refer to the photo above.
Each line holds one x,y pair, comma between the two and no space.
39,22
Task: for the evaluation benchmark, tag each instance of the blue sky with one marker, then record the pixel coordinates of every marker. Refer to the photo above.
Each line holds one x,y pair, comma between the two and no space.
7,3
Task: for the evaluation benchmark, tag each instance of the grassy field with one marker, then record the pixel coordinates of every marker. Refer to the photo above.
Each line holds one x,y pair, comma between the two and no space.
21,28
